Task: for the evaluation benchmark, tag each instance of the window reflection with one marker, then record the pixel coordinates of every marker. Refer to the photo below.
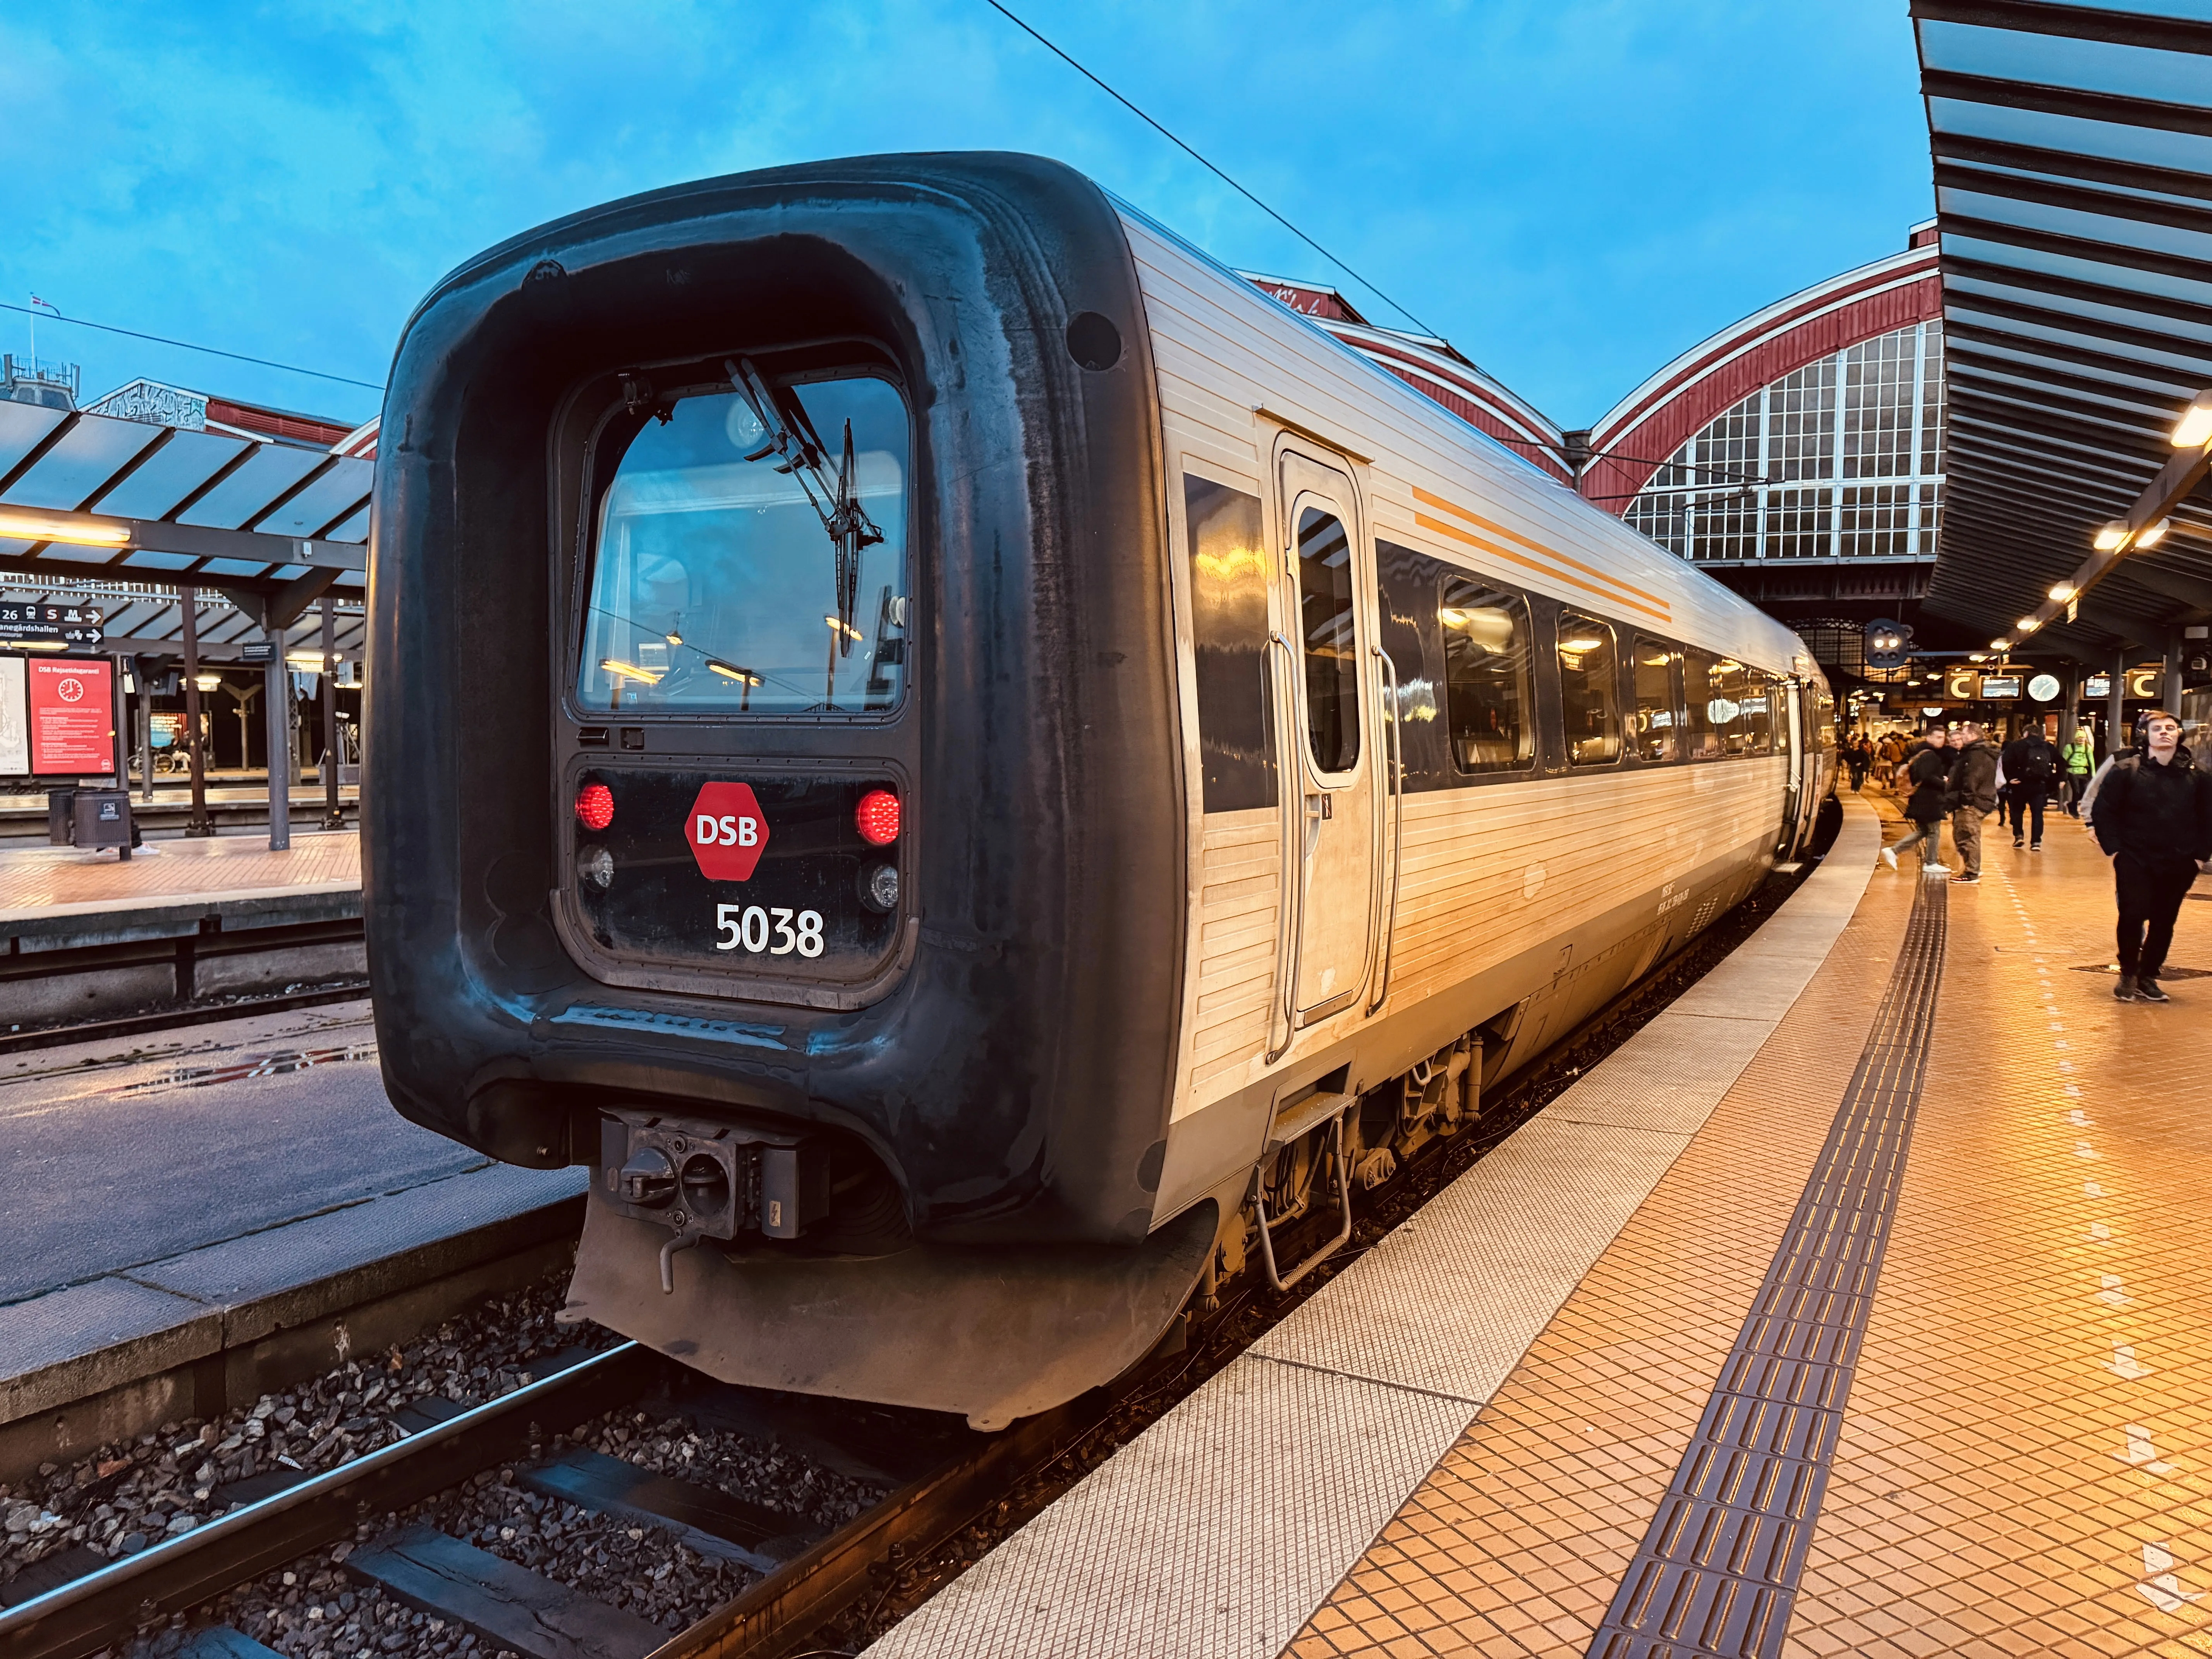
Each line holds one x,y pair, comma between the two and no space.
714,584
1485,633
1588,672
1658,733
1332,652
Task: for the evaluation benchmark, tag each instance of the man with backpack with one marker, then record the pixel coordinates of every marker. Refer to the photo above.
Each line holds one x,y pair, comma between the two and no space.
2030,765
2152,817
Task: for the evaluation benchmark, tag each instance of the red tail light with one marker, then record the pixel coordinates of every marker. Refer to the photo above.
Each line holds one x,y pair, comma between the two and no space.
878,818
595,805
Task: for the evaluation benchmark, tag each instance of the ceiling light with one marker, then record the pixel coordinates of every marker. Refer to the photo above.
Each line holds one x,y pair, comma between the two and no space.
1999,645
2063,592
207,682
2193,429
2152,535
36,645
2109,537
1977,656
36,527
2028,624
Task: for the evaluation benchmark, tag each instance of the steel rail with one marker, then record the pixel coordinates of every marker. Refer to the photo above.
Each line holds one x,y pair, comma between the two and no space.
87,1613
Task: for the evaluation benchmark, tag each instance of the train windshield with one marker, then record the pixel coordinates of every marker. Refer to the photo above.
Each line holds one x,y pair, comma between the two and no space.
727,579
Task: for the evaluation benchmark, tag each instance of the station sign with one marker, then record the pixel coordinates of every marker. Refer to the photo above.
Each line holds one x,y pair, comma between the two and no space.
2097,687
72,714
2000,688
67,625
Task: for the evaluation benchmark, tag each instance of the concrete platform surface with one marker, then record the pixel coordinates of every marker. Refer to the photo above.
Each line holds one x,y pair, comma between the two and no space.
47,880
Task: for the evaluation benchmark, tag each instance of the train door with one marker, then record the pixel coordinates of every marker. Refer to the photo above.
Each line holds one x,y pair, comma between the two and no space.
1328,599
1791,719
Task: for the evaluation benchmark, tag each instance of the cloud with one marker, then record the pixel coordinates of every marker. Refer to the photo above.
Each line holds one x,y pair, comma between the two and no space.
1573,192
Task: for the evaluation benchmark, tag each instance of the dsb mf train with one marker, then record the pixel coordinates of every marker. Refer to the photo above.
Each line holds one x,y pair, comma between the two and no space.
981,773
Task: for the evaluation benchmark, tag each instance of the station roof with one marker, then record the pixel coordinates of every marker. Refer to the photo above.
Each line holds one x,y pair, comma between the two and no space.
2073,166
263,513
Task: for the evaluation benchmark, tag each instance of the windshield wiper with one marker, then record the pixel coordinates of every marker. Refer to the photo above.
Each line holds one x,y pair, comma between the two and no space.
835,500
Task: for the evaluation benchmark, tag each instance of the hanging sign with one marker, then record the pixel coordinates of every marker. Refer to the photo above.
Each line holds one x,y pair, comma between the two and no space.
2097,687
1997,688
72,715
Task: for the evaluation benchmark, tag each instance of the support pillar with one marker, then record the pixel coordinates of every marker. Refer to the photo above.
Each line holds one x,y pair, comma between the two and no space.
333,818
277,718
145,735
2116,727
2169,679
195,752
119,717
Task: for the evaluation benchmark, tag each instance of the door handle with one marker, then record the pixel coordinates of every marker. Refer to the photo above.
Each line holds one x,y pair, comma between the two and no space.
1322,805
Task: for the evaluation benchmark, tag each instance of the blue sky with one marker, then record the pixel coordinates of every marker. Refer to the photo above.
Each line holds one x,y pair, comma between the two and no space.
1571,191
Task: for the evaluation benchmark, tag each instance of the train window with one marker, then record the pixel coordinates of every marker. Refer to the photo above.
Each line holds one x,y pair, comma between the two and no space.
1658,735
1704,713
1764,705
1228,640
1486,677
1406,627
1736,701
1332,648
714,585
1588,680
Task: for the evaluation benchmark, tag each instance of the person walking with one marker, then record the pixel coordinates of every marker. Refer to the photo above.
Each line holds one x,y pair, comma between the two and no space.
2153,817
1973,795
2030,765
2076,761
1929,779
1858,756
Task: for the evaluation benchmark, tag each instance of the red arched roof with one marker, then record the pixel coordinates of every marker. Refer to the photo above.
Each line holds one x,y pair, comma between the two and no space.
1643,430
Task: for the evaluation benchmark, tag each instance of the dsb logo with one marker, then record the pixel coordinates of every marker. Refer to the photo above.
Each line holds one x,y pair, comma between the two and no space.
726,830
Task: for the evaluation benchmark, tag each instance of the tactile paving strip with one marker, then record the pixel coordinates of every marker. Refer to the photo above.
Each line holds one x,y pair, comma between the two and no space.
1718,1572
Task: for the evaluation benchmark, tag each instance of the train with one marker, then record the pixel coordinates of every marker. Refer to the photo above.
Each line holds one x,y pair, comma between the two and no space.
981,774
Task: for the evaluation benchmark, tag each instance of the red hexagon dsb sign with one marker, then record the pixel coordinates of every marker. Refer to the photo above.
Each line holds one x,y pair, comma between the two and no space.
727,831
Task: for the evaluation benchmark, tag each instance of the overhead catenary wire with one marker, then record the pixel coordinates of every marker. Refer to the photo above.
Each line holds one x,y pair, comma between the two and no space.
53,315
1102,85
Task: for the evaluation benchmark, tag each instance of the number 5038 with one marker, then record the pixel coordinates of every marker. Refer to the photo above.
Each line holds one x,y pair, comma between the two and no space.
767,932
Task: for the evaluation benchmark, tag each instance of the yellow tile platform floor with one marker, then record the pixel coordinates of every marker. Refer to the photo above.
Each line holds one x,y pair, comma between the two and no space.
2026,1463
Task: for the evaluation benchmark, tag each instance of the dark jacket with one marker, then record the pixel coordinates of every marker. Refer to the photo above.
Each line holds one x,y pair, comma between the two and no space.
1974,778
2030,760
1930,773
2159,815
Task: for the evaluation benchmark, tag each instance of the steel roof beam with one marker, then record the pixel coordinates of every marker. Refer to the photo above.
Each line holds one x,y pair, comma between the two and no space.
2124,29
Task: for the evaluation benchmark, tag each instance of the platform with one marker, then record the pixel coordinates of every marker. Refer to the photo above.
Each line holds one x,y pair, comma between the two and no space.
46,881
239,1189
1853,1306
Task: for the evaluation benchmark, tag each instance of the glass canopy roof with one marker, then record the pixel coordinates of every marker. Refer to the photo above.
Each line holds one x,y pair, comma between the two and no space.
2073,160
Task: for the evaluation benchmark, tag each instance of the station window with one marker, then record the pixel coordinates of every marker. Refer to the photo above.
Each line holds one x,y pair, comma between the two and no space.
1331,641
1658,734
1229,640
714,587
1486,633
1588,689
1706,713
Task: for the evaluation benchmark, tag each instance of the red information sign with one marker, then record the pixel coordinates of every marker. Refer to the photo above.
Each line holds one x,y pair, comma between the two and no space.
727,831
72,715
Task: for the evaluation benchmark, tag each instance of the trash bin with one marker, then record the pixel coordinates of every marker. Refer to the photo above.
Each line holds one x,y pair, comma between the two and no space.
61,815
103,819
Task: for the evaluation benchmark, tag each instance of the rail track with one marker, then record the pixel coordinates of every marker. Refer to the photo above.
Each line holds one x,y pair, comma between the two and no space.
950,1493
